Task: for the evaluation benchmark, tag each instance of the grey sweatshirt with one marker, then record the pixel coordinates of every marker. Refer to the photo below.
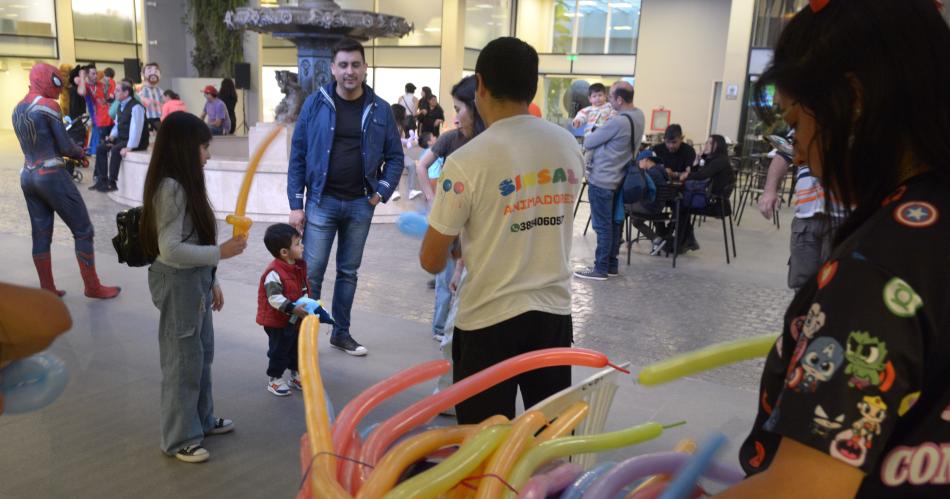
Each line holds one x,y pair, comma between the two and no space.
177,244
611,149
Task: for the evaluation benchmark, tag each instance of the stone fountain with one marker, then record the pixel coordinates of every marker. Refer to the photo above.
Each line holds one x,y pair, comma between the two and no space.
314,26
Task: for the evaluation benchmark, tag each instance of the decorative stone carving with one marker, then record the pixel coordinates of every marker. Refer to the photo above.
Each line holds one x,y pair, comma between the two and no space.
326,15
289,108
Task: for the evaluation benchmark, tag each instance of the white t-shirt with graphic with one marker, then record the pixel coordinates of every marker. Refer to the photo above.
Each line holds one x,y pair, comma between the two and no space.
510,193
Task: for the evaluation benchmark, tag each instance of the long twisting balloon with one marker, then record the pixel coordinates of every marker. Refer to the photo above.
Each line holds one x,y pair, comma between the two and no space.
241,223
707,358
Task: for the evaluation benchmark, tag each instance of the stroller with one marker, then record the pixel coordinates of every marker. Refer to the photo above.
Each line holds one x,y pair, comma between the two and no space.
76,129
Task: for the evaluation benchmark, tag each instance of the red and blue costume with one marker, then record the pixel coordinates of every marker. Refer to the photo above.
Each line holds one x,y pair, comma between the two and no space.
47,185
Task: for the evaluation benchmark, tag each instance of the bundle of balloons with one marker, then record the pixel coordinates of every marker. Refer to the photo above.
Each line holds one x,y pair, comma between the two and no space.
524,457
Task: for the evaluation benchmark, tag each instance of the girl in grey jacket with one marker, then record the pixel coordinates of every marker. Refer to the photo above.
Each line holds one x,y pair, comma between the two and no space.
179,231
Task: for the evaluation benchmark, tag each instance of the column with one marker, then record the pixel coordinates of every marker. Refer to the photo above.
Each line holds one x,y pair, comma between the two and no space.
452,57
735,68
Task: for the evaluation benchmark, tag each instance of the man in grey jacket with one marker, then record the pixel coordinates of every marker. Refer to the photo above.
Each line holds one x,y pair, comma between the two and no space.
612,147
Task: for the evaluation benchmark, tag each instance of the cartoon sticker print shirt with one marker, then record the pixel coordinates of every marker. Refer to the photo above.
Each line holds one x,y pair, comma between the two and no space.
862,369
510,192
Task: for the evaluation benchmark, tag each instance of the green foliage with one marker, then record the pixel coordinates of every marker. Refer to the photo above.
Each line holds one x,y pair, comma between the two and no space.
217,48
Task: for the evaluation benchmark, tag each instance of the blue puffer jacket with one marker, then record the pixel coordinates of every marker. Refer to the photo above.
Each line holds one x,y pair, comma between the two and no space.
313,139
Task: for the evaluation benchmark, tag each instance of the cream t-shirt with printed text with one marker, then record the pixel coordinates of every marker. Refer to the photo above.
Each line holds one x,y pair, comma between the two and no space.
510,193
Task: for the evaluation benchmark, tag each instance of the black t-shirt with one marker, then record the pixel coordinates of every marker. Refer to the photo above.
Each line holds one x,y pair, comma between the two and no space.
77,103
345,172
677,161
862,370
428,120
448,143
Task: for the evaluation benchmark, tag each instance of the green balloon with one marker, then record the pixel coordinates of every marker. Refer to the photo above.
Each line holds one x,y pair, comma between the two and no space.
707,358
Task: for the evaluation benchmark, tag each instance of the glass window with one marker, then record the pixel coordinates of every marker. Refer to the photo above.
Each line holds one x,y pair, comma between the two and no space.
596,26
27,18
486,20
771,17
425,15
565,95
112,21
390,83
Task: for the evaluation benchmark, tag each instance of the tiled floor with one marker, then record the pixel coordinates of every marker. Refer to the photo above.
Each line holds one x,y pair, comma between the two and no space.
101,440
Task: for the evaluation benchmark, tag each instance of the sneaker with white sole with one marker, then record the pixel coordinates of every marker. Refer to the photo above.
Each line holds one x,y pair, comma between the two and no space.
348,345
658,245
438,337
395,196
613,273
413,194
590,273
221,426
295,380
193,454
278,387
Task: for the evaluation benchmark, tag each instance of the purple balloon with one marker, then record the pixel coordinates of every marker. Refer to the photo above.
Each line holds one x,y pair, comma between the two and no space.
539,486
638,467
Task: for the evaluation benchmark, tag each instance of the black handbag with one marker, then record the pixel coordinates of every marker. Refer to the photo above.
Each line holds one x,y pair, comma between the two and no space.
126,243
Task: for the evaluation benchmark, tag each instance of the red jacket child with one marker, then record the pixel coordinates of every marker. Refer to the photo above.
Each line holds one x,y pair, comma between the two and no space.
281,285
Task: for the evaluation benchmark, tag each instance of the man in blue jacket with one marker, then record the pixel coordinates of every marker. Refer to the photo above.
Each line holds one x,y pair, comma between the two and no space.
347,155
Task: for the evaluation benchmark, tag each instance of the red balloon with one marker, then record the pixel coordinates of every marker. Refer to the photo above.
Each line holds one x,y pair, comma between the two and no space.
429,407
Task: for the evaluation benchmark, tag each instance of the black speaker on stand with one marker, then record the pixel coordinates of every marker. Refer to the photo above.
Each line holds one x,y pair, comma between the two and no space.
133,70
242,80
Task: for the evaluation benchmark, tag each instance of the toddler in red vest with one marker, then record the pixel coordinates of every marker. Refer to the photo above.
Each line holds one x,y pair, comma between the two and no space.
284,281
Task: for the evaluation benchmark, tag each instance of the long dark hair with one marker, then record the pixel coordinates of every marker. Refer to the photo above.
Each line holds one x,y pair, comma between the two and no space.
227,92
464,91
719,146
177,155
884,56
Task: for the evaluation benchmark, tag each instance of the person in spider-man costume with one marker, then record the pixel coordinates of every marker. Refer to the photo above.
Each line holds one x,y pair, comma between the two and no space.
47,185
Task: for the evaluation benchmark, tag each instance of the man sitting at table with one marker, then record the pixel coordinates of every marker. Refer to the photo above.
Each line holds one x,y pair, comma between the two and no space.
676,157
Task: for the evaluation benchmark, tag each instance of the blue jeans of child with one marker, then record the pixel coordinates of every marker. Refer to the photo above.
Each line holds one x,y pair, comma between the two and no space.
602,202
443,297
350,219
186,350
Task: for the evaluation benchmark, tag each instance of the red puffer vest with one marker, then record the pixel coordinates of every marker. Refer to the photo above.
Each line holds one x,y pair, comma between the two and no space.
294,280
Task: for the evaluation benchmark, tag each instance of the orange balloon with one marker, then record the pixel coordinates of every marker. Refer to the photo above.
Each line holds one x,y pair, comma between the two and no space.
504,458
429,407
241,223
565,422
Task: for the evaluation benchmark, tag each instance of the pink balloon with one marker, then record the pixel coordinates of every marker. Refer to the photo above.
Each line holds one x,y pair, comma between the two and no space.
556,480
353,413
429,407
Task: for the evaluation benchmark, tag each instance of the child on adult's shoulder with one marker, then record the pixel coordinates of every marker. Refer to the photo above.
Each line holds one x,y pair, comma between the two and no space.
283,282
597,113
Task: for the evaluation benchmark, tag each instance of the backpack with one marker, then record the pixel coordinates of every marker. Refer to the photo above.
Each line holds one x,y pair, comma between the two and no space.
637,185
127,245
696,194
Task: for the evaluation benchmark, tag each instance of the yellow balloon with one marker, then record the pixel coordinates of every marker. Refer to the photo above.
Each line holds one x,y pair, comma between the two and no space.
522,436
568,446
686,445
707,358
402,455
430,483
565,422
241,223
323,467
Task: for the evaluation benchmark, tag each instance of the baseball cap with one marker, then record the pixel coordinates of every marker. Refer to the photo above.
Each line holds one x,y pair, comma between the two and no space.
210,90
647,154
673,132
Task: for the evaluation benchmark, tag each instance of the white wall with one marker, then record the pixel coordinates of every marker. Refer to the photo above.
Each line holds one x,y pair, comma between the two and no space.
14,84
681,53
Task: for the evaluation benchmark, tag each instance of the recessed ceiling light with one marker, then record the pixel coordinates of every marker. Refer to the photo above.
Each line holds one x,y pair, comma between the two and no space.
433,30
622,28
587,3
484,6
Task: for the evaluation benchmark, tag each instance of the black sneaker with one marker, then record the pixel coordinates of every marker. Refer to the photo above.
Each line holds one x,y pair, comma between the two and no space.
95,186
221,426
193,454
431,284
348,345
658,245
613,273
112,187
590,273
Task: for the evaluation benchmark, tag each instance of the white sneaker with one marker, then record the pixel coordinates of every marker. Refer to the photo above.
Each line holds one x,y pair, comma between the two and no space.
193,454
413,194
395,196
295,380
278,387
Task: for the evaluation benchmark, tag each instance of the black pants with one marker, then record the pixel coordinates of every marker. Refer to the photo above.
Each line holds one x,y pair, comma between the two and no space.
281,349
108,162
475,350
153,124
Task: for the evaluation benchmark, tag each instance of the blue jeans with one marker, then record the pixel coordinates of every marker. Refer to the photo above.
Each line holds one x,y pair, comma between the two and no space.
186,350
443,297
602,202
351,219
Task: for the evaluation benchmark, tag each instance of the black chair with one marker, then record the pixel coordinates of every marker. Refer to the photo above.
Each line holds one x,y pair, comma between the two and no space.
720,207
580,200
670,196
